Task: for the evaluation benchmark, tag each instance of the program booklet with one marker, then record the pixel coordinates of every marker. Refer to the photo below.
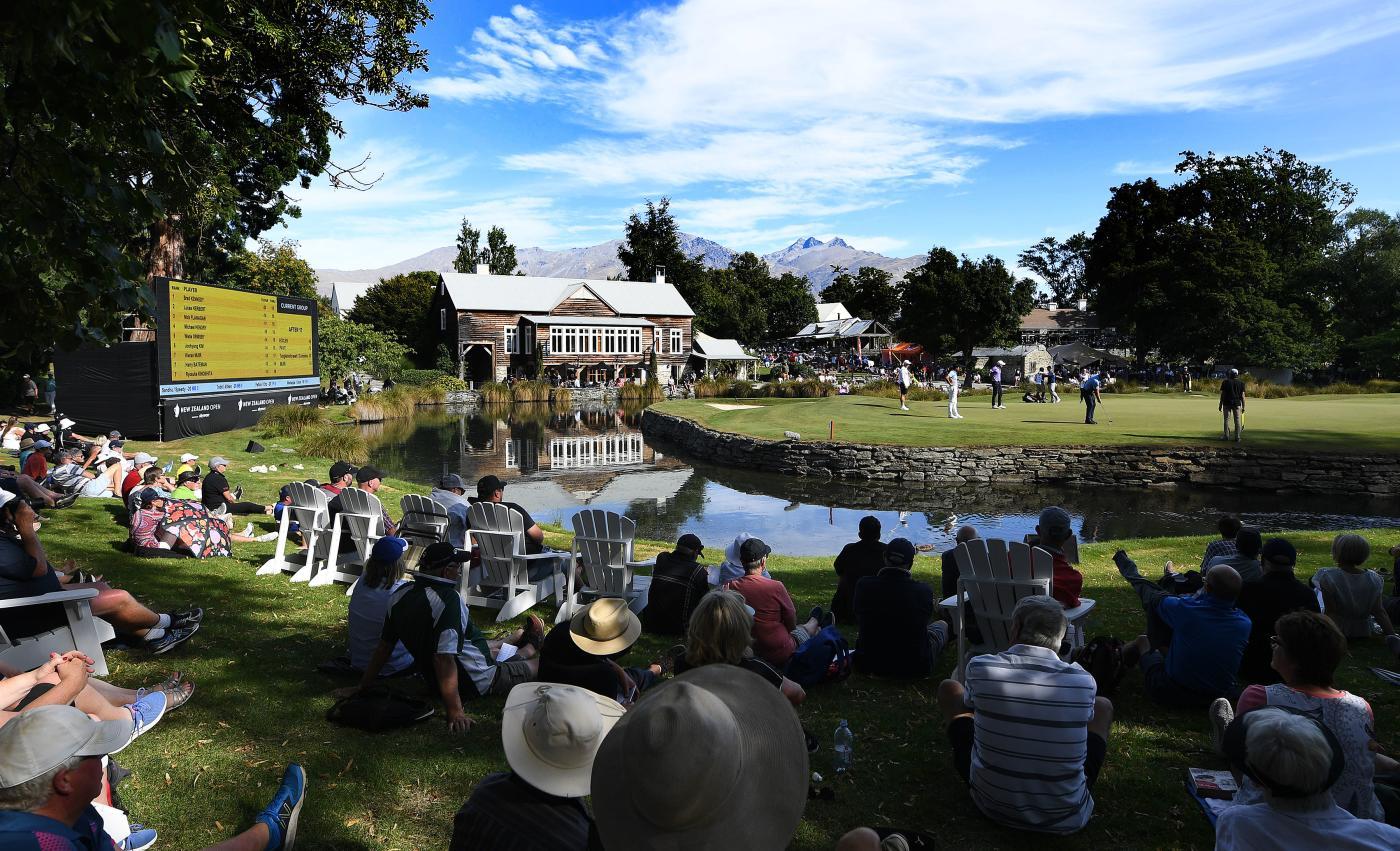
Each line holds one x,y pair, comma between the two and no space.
1211,784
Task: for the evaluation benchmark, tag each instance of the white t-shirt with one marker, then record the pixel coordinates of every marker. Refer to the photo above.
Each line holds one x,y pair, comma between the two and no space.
1260,827
952,379
903,376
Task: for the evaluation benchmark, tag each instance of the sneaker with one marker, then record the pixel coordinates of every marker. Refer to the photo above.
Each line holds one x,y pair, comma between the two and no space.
147,711
238,493
904,407
265,537
247,531
1221,714
285,808
816,614
188,617
140,838
173,638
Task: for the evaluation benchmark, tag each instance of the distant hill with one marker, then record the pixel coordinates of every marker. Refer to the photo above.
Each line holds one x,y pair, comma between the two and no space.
809,258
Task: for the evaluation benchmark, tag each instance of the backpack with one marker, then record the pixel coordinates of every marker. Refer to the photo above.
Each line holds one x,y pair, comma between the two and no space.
376,710
1102,658
823,658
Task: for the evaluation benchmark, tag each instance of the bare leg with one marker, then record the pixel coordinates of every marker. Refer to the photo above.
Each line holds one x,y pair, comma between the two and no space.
254,838
93,703
951,700
119,608
114,694
33,490
860,839
1103,718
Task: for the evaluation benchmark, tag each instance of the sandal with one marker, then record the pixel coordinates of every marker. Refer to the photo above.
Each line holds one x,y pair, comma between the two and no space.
178,695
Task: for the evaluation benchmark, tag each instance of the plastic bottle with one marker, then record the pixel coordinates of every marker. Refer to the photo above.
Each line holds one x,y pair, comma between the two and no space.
842,746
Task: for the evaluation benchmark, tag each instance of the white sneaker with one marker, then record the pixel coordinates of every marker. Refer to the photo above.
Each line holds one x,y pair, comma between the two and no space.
904,407
265,537
247,532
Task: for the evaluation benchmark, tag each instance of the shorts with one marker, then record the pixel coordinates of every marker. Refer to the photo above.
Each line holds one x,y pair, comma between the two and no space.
510,674
903,388
960,734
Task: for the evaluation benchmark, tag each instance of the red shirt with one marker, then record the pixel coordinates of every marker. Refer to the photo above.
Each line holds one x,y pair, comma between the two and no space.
1066,583
36,466
131,480
774,617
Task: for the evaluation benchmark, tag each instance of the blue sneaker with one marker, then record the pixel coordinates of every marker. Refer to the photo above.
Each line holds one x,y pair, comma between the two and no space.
281,815
147,711
141,838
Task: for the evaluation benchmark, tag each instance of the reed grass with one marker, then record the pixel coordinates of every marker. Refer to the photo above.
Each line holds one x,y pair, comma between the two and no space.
289,420
342,443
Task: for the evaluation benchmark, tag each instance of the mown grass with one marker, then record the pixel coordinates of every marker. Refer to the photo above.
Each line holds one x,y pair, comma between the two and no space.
1355,424
209,767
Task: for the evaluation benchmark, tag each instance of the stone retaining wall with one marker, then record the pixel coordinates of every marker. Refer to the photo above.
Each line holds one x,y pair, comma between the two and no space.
1225,467
582,396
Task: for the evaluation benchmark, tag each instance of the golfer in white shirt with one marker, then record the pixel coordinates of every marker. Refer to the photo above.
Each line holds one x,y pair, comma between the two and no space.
952,379
905,380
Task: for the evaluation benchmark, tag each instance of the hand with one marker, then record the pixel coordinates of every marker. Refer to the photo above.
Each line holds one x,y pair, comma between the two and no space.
73,668
24,518
348,691
45,670
458,721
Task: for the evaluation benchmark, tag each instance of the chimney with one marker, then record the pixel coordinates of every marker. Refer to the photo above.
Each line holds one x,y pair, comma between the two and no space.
483,268
1083,304
661,274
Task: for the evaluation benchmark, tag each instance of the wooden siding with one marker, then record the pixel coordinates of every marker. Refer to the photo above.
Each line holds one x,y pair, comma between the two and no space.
582,307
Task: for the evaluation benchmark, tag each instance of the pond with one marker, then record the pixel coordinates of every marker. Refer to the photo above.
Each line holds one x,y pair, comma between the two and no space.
561,461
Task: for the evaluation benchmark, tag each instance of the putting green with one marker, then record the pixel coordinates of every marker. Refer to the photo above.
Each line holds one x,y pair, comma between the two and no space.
1350,424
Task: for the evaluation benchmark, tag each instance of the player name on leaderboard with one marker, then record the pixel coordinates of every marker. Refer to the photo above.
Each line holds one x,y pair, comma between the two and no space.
218,334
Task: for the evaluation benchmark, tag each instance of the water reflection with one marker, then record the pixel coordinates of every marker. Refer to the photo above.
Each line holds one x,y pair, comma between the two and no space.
560,461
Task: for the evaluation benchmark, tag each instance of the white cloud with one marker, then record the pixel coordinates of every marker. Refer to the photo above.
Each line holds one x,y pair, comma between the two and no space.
1355,153
1136,168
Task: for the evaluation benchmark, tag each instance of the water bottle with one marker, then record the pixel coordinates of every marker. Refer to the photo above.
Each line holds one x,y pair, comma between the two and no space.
842,746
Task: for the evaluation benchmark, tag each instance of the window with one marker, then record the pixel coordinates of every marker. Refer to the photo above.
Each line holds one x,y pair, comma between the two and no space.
512,341
527,340
586,340
442,319
675,341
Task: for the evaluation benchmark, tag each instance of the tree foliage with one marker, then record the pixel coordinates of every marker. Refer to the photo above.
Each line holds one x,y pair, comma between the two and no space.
400,307
1060,265
956,304
498,254
345,346
468,249
1363,280
868,294
274,268
655,241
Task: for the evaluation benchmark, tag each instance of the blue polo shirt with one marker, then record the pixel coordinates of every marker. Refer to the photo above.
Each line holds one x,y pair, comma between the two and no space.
30,832
1208,640
1090,383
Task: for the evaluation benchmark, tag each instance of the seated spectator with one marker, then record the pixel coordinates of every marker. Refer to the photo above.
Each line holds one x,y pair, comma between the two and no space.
369,605
65,680
153,478
25,572
147,538
187,487
53,771
1053,530
1293,760
678,581
1308,649
776,633
1225,546
1245,560
369,480
1275,595
36,465
1028,734
584,653
428,616
857,560
21,485
451,493
492,489
1352,595
898,635
714,759
342,476
102,481
550,732
1193,646
218,497
733,565
186,463
133,479
951,571
721,633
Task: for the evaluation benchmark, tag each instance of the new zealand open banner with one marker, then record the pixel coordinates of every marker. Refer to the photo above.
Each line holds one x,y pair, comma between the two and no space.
187,416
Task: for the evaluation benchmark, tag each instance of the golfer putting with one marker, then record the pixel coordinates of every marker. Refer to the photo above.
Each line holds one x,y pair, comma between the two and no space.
1232,403
1089,395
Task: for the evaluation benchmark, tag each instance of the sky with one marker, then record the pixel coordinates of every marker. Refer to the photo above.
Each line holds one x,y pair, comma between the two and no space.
898,126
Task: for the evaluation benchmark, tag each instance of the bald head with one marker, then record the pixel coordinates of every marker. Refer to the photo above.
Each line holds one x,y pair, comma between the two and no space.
965,534
1223,581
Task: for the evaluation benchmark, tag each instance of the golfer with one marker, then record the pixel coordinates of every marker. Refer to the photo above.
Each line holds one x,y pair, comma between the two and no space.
952,379
996,384
905,381
1231,402
1089,394
1051,379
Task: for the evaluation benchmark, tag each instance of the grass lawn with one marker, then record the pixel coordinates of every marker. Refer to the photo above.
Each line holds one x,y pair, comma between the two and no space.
1299,424
260,703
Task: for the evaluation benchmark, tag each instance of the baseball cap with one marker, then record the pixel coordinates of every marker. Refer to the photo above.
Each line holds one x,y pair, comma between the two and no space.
41,739
899,553
341,468
144,458
450,481
1280,551
490,484
439,554
752,550
114,434
187,476
906,363
150,494
690,542
1054,517
367,474
388,549
116,444
5,496
189,456
217,461
42,444
42,428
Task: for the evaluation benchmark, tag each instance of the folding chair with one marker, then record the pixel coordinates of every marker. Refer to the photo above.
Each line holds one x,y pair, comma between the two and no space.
80,630
603,549
309,511
503,580
361,516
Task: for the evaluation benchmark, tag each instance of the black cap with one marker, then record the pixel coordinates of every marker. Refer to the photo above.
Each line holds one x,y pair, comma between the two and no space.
341,468
753,550
489,485
1279,551
187,476
367,474
439,554
899,553
690,542
150,495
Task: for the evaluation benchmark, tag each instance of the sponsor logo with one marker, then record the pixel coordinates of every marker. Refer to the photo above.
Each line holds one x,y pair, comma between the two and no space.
253,403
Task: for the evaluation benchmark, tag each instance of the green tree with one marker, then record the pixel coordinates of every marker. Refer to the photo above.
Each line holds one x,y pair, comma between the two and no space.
1363,279
868,294
499,253
655,241
1060,265
400,307
956,304
346,346
1129,270
788,306
274,268
468,249
842,288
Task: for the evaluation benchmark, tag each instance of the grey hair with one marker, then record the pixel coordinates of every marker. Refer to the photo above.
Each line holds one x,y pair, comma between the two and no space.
1288,750
965,534
1350,550
1040,620
33,794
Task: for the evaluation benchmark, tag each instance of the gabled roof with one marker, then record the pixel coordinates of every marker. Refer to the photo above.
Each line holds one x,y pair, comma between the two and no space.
535,295
829,310
717,348
841,329
1060,319
565,319
344,294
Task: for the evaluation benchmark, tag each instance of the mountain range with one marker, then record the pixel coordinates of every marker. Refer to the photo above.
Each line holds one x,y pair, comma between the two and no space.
809,258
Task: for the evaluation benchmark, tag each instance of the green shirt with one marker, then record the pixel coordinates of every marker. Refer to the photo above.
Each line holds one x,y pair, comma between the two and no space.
183,492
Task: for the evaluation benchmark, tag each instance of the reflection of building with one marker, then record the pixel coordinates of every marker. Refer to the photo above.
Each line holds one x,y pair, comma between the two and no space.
564,493
610,449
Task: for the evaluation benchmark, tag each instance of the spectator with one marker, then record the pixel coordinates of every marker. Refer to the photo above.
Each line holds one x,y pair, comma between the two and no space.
1245,560
733,565
1351,595
50,389
1053,529
721,633
36,466
105,480
1229,527
1295,762
1275,595
551,733
451,494
220,498
147,538
133,479
492,489
29,391
584,652
187,487
678,581
857,560
66,680
1307,650
369,480
429,617
22,485
52,769
714,759
342,476
153,478
1028,734
369,605
776,633
186,463
898,636
1204,635
951,571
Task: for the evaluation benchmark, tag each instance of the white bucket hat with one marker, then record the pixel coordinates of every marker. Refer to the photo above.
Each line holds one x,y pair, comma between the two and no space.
66,423
552,732
731,552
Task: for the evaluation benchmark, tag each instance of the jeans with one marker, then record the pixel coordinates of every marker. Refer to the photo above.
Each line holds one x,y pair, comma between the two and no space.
1225,424
1090,403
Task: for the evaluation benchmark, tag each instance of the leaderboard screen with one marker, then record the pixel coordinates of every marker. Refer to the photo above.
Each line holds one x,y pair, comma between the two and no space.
220,340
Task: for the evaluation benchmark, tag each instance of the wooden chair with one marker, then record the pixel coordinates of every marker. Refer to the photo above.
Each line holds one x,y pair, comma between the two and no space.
424,520
602,549
81,630
309,511
361,516
502,580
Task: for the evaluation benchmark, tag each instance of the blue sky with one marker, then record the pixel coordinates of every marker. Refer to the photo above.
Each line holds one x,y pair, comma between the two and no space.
898,126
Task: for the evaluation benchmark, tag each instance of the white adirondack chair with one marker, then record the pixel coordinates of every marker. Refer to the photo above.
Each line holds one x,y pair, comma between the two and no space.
361,516
83,631
309,511
502,581
994,575
424,520
603,549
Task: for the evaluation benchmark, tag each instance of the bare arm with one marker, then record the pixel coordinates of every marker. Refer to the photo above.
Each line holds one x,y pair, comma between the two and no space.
535,533
29,539
72,679
793,692
376,663
445,667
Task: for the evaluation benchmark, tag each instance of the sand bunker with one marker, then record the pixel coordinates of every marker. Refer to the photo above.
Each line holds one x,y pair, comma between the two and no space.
721,406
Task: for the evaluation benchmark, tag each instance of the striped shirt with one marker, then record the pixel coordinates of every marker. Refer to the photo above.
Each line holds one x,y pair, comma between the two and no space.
1030,738
1217,548
428,616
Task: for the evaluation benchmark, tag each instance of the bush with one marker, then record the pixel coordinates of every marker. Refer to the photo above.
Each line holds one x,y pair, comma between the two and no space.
448,383
530,391
398,401
719,388
337,443
649,392
495,393
561,397
418,377
1382,385
805,389
889,390
290,420
366,411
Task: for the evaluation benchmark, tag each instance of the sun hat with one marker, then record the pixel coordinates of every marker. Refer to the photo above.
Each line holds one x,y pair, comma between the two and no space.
605,626
217,461
731,552
66,423
143,458
552,732
187,476
900,553
715,758
189,456
5,496
367,474
42,428
388,549
450,481
27,443
41,739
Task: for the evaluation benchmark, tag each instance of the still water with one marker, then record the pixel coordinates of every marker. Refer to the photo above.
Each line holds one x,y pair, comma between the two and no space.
561,461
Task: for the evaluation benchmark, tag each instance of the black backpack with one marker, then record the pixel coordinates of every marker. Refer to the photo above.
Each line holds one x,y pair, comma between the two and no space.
1103,659
376,710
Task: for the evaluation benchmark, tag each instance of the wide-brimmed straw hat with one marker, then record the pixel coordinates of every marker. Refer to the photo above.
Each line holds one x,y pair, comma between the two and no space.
715,758
552,732
605,626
